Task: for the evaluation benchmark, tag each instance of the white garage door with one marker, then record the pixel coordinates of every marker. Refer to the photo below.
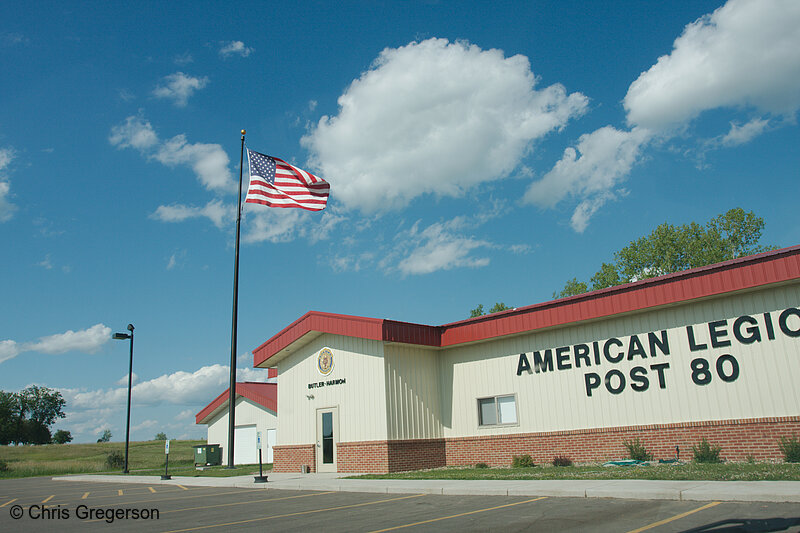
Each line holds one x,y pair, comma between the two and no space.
244,445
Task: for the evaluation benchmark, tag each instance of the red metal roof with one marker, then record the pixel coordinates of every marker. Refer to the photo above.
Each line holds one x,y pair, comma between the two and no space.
735,275
264,394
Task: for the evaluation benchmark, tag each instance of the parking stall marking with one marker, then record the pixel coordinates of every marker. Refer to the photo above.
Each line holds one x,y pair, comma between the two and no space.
249,502
458,515
672,518
9,502
299,513
120,492
49,498
85,495
152,489
181,486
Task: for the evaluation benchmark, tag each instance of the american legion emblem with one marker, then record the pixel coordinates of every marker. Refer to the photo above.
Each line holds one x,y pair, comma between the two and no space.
325,361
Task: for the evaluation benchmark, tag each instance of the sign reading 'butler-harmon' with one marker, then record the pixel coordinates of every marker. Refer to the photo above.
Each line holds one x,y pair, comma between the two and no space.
652,350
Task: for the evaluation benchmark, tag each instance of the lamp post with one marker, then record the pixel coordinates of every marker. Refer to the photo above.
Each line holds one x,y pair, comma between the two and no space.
119,337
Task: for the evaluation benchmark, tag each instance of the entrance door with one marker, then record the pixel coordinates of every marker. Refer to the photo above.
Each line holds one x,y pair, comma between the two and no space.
327,435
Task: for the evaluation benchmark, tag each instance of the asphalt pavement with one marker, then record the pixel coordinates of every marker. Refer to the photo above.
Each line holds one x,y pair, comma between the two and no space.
742,491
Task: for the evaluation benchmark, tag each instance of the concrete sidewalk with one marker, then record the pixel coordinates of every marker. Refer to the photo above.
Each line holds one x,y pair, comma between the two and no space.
750,491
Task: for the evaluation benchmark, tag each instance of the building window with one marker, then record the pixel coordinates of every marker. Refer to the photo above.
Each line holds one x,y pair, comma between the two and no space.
497,410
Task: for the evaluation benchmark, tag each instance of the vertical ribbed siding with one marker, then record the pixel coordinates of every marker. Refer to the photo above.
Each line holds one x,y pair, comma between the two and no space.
412,393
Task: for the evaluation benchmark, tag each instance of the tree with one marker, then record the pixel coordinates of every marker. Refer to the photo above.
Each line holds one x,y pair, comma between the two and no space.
62,437
106,436
496,308
572,288
26,416
161,436
670,248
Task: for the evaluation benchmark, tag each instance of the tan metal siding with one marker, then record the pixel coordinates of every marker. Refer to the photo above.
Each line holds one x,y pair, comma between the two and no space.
412,392
361,399
247,413
767,384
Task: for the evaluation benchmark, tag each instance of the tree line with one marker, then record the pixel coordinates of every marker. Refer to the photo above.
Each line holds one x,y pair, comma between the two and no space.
670,248
26,416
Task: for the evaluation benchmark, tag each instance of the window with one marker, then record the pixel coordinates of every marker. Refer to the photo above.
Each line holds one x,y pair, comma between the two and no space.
497,410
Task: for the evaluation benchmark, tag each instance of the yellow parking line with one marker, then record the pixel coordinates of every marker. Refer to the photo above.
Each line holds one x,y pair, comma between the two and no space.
181,486
152,489
119,492
49,498
85,495
460,514
9,502
297,513
676,517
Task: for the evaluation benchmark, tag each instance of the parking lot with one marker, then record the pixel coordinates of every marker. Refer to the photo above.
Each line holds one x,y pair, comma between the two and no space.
41,504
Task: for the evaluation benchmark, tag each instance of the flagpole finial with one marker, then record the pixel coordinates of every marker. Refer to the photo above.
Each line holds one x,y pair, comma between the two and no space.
243,132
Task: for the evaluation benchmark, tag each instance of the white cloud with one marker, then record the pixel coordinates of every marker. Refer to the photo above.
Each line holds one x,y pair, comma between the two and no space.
208,161
434,118
88,340
178,87
744,133
439,247
217,212
124,379
743,54
135,132
590,171
6,208
238,48
8,350
274,225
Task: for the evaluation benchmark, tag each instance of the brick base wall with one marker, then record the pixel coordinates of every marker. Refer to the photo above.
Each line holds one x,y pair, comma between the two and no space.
293,458
738,438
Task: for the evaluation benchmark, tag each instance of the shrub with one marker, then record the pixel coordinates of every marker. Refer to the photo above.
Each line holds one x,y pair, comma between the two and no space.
522,461
637,451
790,447
115,459
3,466
481,465
705,453
562,460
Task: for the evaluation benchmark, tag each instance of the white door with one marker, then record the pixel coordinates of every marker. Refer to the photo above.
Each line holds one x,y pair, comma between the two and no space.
244,445
271,441
327,437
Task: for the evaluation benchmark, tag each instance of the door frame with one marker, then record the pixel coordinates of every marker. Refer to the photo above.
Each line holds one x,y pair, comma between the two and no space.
329,467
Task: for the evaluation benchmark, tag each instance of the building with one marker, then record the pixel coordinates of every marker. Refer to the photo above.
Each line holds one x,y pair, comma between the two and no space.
712,352
256,411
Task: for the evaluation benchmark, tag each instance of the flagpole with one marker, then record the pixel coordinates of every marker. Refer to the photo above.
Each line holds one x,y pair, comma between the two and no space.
232,395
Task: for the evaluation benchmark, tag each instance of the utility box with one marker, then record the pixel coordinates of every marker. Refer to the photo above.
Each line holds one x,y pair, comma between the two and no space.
207,454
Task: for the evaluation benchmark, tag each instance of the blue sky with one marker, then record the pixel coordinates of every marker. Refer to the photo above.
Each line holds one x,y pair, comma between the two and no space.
477,152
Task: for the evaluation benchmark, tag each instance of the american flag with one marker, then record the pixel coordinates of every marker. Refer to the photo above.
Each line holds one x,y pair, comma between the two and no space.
276,183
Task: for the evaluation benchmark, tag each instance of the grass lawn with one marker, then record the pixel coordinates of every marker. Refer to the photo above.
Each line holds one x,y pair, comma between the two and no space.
145,458
680,471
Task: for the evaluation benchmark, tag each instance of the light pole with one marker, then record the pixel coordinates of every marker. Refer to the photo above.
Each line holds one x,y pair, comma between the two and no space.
119,337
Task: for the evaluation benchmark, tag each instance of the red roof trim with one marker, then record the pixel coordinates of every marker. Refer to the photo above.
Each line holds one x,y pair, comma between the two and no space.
737,274
264,394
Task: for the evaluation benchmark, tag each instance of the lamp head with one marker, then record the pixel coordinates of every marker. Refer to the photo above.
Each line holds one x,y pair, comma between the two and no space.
130,327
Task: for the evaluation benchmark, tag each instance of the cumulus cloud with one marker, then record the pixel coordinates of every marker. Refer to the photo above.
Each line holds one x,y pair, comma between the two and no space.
215,210
742,54
177,388
231,48
88,341
208,161
590,171
434,117
439,246
6,208
178,87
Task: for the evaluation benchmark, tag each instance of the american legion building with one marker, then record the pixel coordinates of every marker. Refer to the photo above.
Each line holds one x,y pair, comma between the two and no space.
712,352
